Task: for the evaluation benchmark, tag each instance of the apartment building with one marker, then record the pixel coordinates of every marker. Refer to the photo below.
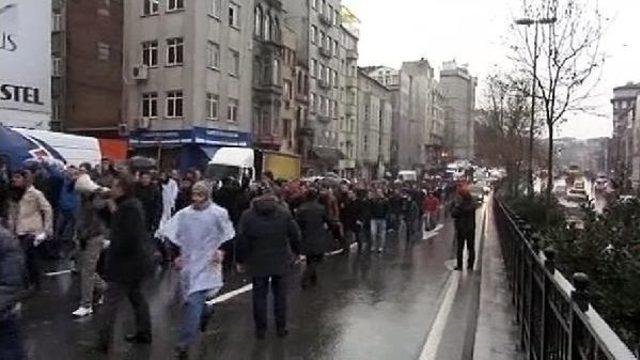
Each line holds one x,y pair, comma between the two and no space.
348,109
86,81
188,77
317,24
375,114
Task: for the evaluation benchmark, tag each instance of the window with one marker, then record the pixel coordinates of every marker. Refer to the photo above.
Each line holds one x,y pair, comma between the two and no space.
286,129
175,51
314,68
335,79
56,66
234,58
56,22
275,72
267,27
174,5
258,21
336,17
312,102
288,90
212,106
150,105
213,55
174,104
103,51
321,70
215,8
313,34
330,14
232,110
56,110
150,7
150,53
334,51
314,4
321,39
234,15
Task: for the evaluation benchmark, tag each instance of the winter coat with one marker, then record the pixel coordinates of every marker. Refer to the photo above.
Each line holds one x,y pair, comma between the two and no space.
379,208
32,215
315,224
129,257
12,284
267,237
151,200
93,217
464,213
430,204
349,214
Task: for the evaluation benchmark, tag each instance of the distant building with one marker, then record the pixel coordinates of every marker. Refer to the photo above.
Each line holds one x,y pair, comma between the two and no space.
188,77
375,115
86,84
590,154
459,90
418,115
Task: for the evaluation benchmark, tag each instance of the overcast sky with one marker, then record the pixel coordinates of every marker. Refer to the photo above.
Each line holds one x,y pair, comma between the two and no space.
473,32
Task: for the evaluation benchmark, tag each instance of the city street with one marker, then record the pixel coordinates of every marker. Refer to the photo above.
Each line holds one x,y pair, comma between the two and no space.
366,306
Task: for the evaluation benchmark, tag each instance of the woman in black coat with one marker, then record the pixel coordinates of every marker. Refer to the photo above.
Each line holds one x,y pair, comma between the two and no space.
128,262
315,224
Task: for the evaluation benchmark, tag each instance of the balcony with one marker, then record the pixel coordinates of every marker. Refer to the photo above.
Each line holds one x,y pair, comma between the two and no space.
324,118
352,54
306,131
324,84
325,51
351,81
302,97
325,19
350,110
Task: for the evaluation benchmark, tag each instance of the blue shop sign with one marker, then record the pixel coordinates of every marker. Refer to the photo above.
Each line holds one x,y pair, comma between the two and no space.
197,135
220,137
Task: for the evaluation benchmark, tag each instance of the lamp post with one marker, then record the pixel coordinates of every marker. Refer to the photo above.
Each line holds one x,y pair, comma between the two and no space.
536,22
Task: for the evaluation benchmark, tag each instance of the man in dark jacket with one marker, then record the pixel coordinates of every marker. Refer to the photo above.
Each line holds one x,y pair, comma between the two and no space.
267,237
315,223
464,213
379,207
11,290
128,263
151,200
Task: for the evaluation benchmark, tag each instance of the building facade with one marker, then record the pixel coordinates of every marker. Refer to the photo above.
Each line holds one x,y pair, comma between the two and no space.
459,90
375,115
348,109
188,77
317,24
624,139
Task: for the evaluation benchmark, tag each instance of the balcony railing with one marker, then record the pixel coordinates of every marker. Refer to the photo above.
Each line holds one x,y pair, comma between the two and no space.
352,54
555,318
324,84
325,19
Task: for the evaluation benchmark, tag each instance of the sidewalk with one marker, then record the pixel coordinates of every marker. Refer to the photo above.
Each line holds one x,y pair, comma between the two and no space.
496,333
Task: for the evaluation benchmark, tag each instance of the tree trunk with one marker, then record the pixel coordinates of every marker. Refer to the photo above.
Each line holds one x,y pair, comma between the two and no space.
550,166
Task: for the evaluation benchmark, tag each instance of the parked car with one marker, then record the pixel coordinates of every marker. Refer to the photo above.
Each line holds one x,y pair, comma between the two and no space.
577,195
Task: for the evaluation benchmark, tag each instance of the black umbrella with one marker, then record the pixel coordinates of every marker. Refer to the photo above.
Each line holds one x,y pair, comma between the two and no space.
141,163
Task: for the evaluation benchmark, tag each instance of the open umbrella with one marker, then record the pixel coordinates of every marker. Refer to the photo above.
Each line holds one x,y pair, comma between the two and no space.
15,149
137,163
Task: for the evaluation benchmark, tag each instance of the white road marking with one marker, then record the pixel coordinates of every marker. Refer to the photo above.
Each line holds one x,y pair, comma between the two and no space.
429,234
57,273
430,349
231,294
339,251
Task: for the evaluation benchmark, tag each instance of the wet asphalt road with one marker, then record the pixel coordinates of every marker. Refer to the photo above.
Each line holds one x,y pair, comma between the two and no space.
366,306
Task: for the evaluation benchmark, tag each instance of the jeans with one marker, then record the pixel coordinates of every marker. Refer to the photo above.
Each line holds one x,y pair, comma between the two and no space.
31,260
260,291
65,231
378,233
465,236
11,347
89,278
115,294
194,312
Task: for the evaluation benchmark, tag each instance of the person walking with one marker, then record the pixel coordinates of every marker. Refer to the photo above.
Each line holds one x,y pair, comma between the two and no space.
349,220
128,263
430,206
314,222
30,218
11,292
150,198
268,243
464,213
379,208
200,231
93,219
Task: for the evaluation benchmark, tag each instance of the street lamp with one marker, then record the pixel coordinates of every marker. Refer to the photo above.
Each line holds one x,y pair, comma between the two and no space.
528,22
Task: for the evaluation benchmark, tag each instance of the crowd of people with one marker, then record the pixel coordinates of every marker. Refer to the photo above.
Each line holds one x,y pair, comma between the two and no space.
120,224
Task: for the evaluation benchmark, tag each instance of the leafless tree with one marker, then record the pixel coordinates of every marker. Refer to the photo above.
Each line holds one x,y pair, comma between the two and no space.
570,60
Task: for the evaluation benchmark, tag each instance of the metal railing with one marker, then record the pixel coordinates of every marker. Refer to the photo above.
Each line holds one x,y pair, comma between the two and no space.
555,319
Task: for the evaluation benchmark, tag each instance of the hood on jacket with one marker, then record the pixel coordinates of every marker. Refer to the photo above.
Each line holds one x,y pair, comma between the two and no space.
266,204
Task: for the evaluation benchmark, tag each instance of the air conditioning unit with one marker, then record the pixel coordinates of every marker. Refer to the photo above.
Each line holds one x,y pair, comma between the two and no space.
140,72
144,123
123,130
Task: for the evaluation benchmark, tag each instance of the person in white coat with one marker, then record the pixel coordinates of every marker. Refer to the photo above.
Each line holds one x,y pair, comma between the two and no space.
200,230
